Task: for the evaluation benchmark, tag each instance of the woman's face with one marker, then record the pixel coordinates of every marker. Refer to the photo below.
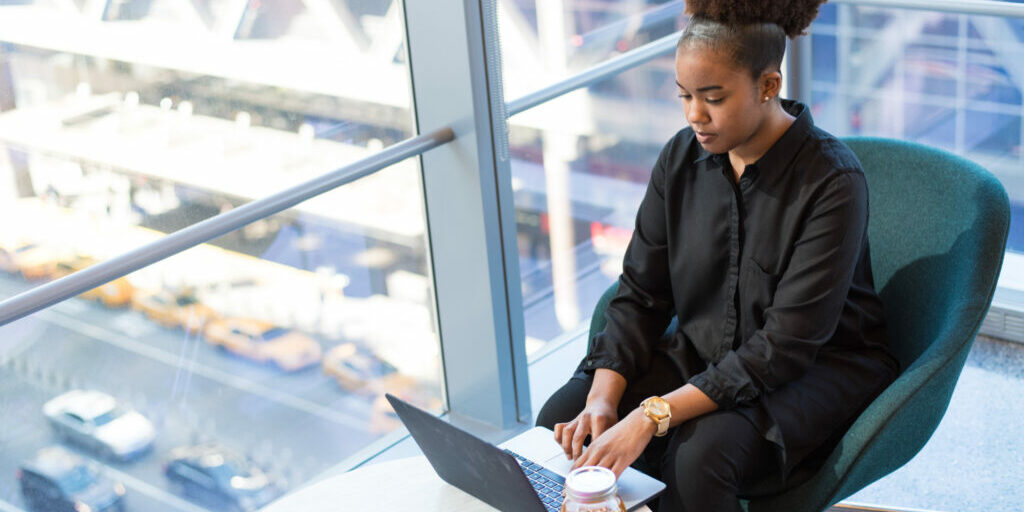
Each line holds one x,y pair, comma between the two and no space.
721,101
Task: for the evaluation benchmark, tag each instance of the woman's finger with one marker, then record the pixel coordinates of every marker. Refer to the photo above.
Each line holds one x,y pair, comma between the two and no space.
619,466
558,432
582,429
597,453
597,428
566,441
586,459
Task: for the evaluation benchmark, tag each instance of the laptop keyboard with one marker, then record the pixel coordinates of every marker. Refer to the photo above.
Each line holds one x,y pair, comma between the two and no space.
547,483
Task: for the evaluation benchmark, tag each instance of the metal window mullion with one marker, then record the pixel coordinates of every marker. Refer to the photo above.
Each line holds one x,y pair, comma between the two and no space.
455,67
960,142
799,67
843,44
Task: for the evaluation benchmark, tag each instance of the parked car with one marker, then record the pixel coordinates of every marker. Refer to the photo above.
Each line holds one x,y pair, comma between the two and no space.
41,262
58,480
263,342
96,421
29,259
66,265
9,252
220,479
174,309
355,366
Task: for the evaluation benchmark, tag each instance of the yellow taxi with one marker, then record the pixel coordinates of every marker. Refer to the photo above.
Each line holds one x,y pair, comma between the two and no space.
174,309
32,260
264,342
112,294
354,366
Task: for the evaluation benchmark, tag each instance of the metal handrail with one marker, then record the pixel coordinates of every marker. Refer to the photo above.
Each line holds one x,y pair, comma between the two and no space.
53,292
975,7
613,66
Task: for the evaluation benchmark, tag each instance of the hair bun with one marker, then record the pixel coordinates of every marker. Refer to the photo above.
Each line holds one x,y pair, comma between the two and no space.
794,16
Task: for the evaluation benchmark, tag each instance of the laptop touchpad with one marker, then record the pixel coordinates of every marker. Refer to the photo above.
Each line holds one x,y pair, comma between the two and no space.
559,464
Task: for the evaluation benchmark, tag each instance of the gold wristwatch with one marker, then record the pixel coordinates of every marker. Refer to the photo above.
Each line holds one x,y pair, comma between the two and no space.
658,410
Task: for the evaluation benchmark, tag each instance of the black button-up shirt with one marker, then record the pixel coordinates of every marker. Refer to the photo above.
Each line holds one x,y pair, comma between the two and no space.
769,278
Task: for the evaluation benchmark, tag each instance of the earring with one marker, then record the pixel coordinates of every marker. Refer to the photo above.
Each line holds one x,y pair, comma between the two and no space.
766,98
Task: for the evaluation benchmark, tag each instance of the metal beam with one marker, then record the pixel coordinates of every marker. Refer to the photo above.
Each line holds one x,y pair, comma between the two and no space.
798,69
456,74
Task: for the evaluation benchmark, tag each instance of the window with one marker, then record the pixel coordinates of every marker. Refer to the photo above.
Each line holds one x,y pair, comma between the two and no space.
942,79
580,163
951,81
122,122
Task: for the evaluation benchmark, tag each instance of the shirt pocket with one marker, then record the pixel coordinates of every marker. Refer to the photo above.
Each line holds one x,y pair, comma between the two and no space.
756,294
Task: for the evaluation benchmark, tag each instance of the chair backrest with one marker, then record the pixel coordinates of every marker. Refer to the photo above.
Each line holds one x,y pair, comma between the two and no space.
937,230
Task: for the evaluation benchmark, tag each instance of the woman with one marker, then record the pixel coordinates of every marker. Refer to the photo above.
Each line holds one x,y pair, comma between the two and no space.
753,234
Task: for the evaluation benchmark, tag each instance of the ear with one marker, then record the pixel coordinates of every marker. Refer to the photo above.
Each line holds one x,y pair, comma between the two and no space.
770,84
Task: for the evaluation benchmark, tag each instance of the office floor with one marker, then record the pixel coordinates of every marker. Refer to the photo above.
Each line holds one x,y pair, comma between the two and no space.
971,463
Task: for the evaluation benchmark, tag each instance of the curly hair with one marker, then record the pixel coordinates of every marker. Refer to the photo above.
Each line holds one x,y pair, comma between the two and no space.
752,32
793,16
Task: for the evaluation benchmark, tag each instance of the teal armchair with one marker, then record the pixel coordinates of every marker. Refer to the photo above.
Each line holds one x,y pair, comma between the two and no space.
938,228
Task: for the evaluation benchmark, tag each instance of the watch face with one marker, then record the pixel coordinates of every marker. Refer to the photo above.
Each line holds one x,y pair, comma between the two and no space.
658,407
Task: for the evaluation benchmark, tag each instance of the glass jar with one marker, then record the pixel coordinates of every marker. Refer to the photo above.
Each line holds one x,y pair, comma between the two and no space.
592,489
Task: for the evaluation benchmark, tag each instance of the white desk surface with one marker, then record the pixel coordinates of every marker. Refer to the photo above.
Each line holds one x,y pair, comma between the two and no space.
402,484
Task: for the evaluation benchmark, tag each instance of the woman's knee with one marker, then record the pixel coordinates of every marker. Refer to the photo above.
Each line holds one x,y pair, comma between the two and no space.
565,403
714,456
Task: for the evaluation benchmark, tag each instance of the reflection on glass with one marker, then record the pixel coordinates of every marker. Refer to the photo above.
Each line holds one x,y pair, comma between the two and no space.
545,41
580,165
947,80
269,348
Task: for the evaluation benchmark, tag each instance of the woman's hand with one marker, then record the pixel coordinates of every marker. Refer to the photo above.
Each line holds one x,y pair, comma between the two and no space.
620,445
597,417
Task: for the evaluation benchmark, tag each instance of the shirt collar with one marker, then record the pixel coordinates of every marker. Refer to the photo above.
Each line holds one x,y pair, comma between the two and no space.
782,151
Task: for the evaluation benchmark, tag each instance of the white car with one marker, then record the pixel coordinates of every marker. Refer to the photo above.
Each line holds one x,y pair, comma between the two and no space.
97,421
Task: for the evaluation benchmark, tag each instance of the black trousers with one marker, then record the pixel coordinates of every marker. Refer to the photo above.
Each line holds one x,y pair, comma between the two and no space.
705,462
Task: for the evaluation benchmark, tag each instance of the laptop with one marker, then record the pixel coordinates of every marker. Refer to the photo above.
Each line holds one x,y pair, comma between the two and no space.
526,473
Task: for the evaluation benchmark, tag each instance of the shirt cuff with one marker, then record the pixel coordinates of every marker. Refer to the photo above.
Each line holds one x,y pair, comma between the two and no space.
704,383
590,364
725,392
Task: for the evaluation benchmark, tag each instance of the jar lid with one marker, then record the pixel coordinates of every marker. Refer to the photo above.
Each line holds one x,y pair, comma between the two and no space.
590,483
